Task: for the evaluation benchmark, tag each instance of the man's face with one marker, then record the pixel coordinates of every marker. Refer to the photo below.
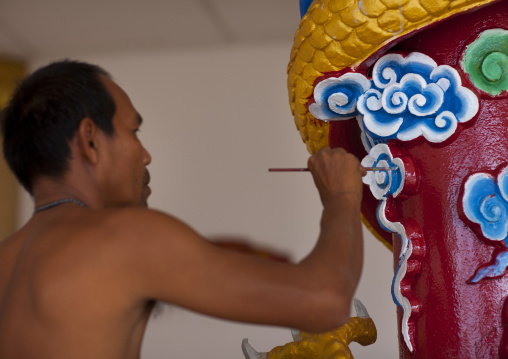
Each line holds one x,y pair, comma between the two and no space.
124,180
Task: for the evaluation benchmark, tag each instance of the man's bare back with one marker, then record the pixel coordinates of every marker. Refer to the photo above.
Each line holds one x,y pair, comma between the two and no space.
61,298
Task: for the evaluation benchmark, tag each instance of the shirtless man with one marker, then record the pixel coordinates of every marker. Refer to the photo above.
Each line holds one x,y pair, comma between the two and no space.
80,279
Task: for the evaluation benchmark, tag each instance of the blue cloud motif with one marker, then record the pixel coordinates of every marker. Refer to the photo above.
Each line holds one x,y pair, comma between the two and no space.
411,97
383,183
408,97
336,97
485,202
390,69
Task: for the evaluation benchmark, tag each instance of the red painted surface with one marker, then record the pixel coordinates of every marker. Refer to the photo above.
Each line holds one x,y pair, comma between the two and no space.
457,319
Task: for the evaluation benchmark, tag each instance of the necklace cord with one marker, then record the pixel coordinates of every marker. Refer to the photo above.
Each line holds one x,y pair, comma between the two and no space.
57,203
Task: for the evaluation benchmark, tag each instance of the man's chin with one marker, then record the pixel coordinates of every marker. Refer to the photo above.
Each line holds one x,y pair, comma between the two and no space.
146,193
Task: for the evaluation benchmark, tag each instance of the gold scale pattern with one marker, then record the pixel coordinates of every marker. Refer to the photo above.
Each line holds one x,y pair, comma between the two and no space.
331,345
339,34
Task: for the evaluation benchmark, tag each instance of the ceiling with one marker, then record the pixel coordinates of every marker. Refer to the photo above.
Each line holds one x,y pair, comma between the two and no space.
42,28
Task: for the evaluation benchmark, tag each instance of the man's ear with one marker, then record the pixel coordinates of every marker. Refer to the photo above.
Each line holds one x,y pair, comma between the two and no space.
87,138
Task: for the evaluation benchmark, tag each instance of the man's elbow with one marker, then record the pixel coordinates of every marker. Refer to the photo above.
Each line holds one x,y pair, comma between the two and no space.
330,313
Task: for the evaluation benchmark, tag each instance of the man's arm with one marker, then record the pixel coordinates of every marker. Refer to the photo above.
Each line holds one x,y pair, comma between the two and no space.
339,249
164,259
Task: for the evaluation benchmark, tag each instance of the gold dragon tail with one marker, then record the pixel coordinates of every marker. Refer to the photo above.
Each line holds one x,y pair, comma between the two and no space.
331,345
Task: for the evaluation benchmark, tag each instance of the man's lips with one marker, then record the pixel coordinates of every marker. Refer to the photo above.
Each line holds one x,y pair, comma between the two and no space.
146,181
146,177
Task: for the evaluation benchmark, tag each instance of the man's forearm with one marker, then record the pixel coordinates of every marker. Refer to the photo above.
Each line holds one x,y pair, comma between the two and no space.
339,250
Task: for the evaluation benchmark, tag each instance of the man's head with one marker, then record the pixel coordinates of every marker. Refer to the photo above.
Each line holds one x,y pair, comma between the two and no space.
44,113
119,161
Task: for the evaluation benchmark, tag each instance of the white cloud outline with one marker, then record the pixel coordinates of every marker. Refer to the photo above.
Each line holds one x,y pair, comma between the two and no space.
447,82
390,74
321,109
472,203
371,176
400,272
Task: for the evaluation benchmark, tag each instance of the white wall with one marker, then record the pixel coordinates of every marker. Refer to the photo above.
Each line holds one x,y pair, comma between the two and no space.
214,121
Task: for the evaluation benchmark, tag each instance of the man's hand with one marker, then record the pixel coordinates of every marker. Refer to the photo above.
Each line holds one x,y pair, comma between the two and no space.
337,173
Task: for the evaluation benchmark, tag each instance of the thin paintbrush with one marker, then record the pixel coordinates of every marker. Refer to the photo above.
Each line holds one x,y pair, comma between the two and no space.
306,169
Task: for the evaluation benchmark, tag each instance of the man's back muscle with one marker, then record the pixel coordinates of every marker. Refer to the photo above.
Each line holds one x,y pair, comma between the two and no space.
57,291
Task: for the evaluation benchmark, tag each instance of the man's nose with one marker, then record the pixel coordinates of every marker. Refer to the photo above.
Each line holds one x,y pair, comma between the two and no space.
146,158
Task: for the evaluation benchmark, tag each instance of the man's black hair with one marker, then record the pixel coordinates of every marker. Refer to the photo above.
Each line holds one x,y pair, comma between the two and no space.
44,113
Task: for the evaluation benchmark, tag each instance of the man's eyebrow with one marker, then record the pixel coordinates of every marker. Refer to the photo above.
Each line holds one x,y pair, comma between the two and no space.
140,119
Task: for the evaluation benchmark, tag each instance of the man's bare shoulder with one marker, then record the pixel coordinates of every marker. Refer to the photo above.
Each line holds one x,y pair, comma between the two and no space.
142,249
135,232
100,246
134,223
81,235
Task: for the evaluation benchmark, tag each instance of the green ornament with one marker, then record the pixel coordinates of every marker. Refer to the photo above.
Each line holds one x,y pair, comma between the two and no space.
486,61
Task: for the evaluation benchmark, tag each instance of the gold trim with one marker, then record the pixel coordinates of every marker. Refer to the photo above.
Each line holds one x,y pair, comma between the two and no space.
11,73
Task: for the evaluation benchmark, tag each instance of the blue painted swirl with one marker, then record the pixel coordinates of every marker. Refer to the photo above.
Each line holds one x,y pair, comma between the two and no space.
383,183
483,203
415,98
336,98
408,97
